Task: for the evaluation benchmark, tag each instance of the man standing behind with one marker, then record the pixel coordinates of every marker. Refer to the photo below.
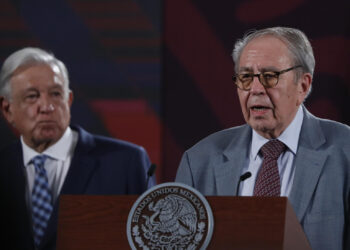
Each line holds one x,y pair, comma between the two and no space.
288,151
52,158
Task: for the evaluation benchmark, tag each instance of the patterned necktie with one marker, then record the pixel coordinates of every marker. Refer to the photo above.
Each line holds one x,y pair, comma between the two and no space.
268,179
41,199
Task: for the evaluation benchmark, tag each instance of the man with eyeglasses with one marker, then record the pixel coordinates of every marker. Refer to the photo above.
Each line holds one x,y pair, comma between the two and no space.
286,150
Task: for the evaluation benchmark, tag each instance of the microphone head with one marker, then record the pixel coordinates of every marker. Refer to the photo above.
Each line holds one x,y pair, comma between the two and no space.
151,170
245,176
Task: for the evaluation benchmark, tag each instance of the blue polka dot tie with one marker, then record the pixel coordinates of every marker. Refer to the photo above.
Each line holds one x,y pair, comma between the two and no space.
41,199
268,180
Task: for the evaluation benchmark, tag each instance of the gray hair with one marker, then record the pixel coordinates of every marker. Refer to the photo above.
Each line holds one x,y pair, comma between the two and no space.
296,41
28,57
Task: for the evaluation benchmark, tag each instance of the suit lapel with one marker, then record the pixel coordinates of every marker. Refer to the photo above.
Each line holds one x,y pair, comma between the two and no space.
78,176
309,163
229,168
76,182
82,165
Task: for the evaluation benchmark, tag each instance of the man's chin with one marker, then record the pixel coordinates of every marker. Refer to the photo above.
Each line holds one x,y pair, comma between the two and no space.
262,127
259,123
46,136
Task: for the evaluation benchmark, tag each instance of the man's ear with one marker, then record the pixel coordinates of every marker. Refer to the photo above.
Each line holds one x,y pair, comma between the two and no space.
70,98
5,106
304,87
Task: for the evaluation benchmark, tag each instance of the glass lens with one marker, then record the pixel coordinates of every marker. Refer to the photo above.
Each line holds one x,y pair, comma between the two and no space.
245,80
269,79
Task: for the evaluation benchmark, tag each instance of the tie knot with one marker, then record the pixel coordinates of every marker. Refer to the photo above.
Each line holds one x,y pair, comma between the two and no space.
273,149
39,161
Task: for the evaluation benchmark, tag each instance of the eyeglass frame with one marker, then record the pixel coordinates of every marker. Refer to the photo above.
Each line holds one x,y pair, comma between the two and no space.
278,73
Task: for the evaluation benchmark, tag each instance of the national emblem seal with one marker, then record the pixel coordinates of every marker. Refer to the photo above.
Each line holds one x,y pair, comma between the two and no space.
170,216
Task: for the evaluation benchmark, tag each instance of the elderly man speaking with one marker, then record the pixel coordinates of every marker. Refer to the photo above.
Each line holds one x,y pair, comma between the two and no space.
51,157
287,151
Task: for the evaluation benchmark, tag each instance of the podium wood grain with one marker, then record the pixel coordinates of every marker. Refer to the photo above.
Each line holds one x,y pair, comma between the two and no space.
99,222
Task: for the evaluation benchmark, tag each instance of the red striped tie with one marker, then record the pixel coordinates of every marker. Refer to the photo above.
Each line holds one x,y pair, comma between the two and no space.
268,179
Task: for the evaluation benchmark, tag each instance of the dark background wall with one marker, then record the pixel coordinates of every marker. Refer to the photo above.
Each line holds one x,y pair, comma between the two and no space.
158,73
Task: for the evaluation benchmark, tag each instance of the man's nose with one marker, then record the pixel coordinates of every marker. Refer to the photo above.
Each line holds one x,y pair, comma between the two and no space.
256,86
46,105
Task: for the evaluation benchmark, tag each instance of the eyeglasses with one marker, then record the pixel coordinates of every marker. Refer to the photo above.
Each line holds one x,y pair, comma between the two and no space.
268,79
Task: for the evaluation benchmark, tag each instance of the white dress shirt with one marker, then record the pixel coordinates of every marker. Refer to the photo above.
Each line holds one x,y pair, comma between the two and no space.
56,165
285,162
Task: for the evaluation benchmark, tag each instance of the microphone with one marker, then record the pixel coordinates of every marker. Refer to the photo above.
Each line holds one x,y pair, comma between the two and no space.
243,177
150,173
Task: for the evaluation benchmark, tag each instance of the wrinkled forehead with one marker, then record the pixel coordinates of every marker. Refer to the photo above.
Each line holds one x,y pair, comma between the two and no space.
265,52
58,75
55,69
31,76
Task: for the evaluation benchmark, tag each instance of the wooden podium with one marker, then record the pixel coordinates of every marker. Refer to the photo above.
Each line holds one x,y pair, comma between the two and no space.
99,222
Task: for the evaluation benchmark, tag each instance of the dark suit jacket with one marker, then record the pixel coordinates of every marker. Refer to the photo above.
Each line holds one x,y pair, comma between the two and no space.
100,165
320,193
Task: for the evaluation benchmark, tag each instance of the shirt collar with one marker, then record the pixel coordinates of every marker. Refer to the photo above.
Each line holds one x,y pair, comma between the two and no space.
58,151
290,136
